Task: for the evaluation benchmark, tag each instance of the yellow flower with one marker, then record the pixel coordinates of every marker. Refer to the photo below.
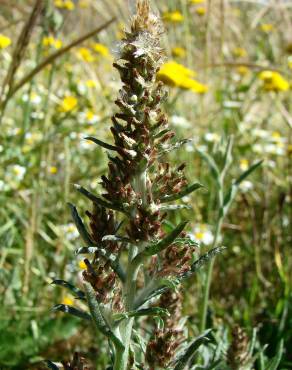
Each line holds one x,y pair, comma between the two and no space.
199,235
242,70
197,1
175,74
173,17
273,81
82,265
239,52
243,164
67,301
85,55
267,27
89,115
178,52
68,104
193,85
4,41
53,170
100,49
201,10
90,83
65,4
52,42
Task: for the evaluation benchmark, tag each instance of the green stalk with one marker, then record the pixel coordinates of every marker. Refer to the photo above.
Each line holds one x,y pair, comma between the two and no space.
122,355
206,290
207,285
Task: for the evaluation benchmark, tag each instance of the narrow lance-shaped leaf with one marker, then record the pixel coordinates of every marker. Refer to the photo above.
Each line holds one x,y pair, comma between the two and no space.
160,286
211,163
202,261
227,156
164,243
80,225
248,172
77,292
187,190
97,200
151,311
275,361
234,187
72,311
101,143
190,350
98,318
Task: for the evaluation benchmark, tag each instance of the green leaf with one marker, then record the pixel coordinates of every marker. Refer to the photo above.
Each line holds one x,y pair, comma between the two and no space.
72,311
248,172
151,311
97,200
80,225
228,154
275,361
190,350
165,242
202,261
101,143
211,163
98,318
229,197
184,192
76,292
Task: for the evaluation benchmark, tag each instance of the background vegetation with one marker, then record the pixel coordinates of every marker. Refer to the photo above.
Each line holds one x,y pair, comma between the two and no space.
239,59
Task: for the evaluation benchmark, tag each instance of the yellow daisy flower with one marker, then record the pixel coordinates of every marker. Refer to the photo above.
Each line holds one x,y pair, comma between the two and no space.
68,104
67,300
86,55
4,41
65,4
201,10
101,49
50,41
173,17
273,81
267,27
178,52
176,75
